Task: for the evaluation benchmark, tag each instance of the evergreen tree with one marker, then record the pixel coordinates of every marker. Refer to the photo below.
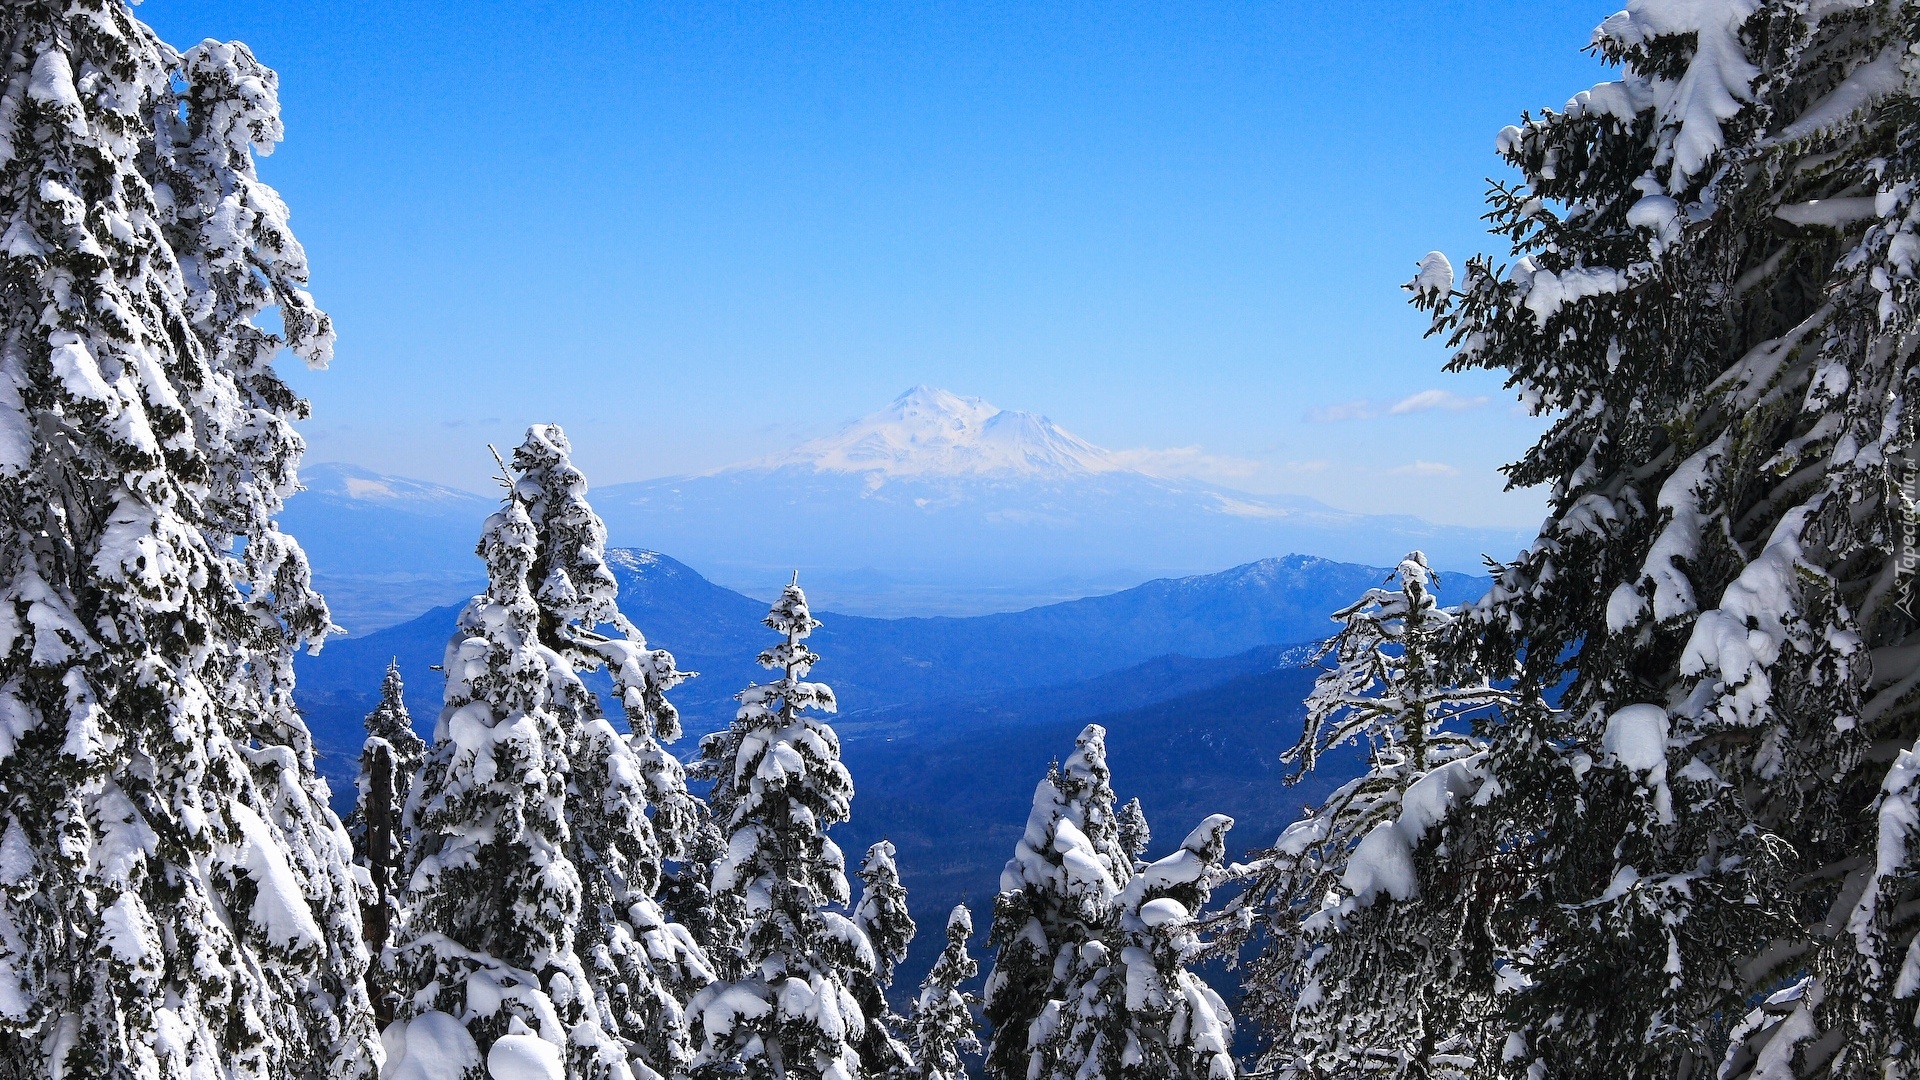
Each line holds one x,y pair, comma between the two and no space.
1056,893
1713,297
882,916
643,967
941,1027
1135,836
1091,977
530,899
786,1007
175,896
1330,896
389,759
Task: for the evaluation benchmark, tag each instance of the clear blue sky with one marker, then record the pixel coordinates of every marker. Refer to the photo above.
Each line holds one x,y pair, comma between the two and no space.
694,233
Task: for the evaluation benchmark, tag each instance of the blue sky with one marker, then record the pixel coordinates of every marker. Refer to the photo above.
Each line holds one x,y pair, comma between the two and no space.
696,233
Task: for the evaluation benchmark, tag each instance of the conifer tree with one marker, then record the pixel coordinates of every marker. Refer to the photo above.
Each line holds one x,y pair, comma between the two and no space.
1056,893
1132,1010
785,1007
530,899
627,802
1334,930
1091,976
941,1027
882,916
1712,296
175,896
1135,836
389,759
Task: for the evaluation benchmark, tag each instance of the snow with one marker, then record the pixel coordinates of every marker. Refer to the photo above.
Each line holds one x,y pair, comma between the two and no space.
52,84
1383,860
524,1056
433,1046
1744,635
1866,84
279,906
1546,292
932,432
1636,738
1829,213
1717,82
1434,276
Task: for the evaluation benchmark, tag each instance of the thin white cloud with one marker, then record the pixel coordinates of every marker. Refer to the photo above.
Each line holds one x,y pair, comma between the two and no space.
1186,462
1427,400
1345,410
1316,465
1425,468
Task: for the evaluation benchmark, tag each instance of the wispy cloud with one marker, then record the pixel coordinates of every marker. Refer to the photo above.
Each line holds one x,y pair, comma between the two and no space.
1346,410
1189,462
1316,465
1427,400
1424,401
1425,468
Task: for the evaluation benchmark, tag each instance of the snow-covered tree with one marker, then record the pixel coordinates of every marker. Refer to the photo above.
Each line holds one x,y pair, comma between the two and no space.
175,896
1135,835
786,1007
1350,978
1056,893
941,1027
1713,297
531,890
627,801
1092,978
389,759
882,916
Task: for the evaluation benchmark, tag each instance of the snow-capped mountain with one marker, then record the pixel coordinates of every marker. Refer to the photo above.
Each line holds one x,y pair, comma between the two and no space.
927,432
943,504
936,504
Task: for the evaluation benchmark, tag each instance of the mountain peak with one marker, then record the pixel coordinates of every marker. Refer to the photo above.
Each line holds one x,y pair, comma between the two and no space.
928,431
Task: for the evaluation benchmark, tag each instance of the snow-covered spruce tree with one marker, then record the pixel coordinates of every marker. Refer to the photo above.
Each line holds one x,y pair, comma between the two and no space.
882,916
1091,975
1714,297
642,966
785,1006
1135,835
389,759
1352,977
175,896
1056,893
941,1028
530,896
1131,1010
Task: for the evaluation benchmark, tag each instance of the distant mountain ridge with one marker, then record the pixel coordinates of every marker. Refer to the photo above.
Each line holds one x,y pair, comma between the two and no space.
385,548
874,664
936,504
942,493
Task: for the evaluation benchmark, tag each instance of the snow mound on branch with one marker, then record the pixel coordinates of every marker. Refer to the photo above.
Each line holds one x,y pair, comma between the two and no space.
434,1046
524,1056
1717,82
1383,860
279,904
1636,737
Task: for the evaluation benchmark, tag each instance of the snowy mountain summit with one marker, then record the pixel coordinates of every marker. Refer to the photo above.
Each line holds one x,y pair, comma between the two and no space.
929,432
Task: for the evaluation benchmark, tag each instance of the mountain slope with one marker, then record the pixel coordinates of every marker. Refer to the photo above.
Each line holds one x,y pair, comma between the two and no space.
385,548
954,801
876,663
